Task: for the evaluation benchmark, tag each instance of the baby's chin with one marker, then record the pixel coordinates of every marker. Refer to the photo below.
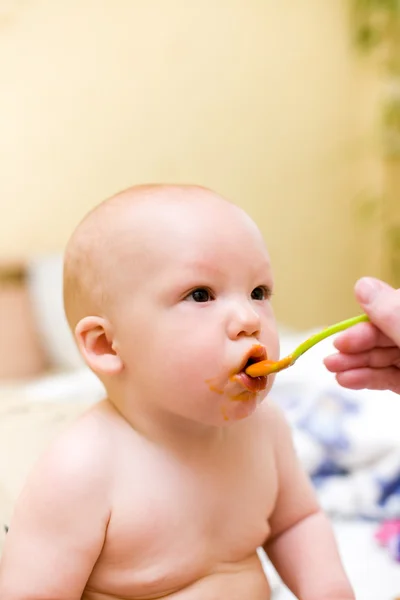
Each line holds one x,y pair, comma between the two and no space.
241,406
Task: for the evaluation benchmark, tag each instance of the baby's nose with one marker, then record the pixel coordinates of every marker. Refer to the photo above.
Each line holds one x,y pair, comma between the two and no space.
244,321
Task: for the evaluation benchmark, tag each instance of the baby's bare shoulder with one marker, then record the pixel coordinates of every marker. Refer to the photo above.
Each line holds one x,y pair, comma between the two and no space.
62,514
272,418
274,427
77,460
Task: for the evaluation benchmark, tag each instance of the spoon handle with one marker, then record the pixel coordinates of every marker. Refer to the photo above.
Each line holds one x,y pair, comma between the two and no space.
318,337
266,367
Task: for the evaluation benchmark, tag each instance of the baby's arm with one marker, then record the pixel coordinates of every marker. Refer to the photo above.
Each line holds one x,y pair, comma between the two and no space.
58,528
302,545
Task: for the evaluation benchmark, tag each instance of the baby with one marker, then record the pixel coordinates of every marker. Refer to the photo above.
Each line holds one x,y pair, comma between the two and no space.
167,488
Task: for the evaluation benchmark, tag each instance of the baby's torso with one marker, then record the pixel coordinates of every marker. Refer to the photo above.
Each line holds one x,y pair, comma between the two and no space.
188,529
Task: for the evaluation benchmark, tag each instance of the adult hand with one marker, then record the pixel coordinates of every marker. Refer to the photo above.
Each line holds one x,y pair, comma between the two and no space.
369,353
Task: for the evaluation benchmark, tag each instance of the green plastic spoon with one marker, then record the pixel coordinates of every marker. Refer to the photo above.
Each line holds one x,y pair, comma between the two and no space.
266,367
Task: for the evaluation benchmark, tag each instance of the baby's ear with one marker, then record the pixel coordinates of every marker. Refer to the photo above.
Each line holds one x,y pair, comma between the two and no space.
95,342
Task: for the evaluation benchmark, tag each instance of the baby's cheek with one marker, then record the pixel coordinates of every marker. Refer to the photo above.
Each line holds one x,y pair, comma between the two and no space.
198,364
277,349
198,367
271,342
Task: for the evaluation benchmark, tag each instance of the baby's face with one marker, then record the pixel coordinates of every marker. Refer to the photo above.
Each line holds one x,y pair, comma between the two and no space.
192,308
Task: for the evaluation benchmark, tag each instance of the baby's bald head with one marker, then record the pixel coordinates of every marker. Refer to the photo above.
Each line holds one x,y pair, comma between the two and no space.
130,272
99,245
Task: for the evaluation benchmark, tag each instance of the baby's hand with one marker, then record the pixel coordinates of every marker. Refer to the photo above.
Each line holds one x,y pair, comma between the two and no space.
369,353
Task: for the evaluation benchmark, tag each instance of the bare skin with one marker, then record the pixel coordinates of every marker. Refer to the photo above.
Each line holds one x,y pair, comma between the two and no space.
369,354
167,489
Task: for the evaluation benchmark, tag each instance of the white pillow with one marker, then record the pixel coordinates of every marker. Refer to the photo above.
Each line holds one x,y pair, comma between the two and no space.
45,287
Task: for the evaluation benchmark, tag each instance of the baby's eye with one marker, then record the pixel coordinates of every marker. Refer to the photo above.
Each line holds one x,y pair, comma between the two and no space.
200,295
261,293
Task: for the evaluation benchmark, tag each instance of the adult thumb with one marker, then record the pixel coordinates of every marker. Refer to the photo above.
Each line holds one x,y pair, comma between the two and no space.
381,303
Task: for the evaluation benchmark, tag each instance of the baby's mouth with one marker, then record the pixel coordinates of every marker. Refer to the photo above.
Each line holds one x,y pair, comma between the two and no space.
252,384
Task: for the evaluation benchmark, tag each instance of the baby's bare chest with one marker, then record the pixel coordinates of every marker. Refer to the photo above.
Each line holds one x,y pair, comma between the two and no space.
174,522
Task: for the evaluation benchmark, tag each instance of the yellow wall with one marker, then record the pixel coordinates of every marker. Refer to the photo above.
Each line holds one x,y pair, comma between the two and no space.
254,98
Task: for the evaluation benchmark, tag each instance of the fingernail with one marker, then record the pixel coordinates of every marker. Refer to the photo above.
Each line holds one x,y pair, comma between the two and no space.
367,289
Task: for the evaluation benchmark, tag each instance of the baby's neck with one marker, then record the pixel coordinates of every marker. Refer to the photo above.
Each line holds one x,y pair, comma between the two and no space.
173,431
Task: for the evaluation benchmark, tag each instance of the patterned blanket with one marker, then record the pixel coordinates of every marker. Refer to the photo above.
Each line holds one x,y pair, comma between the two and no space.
348,441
